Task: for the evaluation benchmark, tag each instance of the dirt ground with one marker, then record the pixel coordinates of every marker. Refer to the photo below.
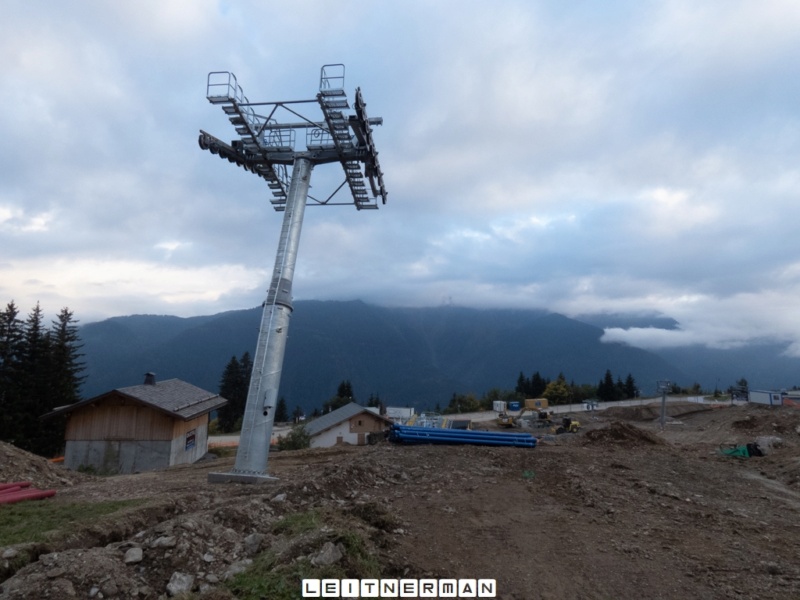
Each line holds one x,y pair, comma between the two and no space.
620,510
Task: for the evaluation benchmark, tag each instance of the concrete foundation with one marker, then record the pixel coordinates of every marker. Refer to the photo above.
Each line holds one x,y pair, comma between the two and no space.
108,456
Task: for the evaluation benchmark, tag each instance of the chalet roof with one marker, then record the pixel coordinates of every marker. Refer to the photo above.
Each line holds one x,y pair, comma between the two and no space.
333,418
177,398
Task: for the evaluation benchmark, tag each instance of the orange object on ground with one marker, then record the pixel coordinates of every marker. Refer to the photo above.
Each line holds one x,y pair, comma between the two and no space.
22,495
20,484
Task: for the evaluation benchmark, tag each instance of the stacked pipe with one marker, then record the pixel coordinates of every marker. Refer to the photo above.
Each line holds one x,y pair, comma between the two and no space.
404,434
20,491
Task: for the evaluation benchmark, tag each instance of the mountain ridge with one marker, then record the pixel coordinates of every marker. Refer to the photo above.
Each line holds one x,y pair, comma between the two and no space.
407,356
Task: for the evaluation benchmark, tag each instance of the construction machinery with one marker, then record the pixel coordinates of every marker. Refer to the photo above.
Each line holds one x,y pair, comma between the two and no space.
568,425
530,417
505,419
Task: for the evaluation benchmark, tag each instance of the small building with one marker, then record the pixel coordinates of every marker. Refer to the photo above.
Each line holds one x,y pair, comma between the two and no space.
139,428
399,414
350,424
770,398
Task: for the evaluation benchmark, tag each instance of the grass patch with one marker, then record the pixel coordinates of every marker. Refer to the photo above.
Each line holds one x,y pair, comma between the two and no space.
298,523
363,563
223,451
279,577
267,578
32,521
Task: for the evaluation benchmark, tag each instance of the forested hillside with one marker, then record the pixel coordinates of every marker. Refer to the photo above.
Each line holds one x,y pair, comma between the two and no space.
407,356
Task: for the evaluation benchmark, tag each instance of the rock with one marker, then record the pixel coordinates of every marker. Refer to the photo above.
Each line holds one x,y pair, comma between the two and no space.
109,588
189,525
179,583
133,555
329,554
279,498
63,588
767,443
236,568
252,543
165,541
10,552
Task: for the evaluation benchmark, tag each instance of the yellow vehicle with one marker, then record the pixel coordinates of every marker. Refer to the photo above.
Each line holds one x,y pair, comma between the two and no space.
568,425
506,420
534,418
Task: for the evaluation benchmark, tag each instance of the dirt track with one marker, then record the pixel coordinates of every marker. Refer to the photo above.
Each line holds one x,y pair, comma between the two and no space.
620,510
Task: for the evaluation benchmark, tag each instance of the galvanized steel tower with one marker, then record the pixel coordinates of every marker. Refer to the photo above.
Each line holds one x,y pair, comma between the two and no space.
267,148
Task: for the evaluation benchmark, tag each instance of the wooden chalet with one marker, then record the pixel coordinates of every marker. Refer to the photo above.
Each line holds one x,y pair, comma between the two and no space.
139,428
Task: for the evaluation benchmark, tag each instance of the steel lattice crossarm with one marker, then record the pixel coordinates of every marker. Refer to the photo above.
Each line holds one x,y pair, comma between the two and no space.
267,147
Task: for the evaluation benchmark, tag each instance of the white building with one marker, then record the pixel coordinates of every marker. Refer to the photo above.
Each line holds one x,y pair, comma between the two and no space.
350,424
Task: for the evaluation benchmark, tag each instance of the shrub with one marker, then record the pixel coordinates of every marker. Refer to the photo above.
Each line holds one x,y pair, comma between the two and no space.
297,439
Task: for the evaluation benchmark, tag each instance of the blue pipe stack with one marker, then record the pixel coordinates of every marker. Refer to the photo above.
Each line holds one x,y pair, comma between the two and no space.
403,434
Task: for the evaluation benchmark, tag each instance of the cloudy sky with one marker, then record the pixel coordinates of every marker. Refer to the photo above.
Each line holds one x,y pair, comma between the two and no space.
584,157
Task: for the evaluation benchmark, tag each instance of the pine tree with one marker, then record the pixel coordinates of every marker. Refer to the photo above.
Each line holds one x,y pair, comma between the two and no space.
281,411
630,387
39,371
344,395
234,387
522,384
537,386
35,384
11,343
66,364
619,390
345,390
65,368
606,390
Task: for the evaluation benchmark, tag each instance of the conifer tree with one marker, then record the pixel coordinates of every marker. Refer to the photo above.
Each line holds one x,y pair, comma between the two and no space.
630,387
64,380
281,411
606,390
11,342
233,387
36,384
39,370
344,395
66,363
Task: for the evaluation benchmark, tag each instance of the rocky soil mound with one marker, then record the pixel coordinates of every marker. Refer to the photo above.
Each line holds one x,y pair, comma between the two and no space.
622,434
652,411
18,465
